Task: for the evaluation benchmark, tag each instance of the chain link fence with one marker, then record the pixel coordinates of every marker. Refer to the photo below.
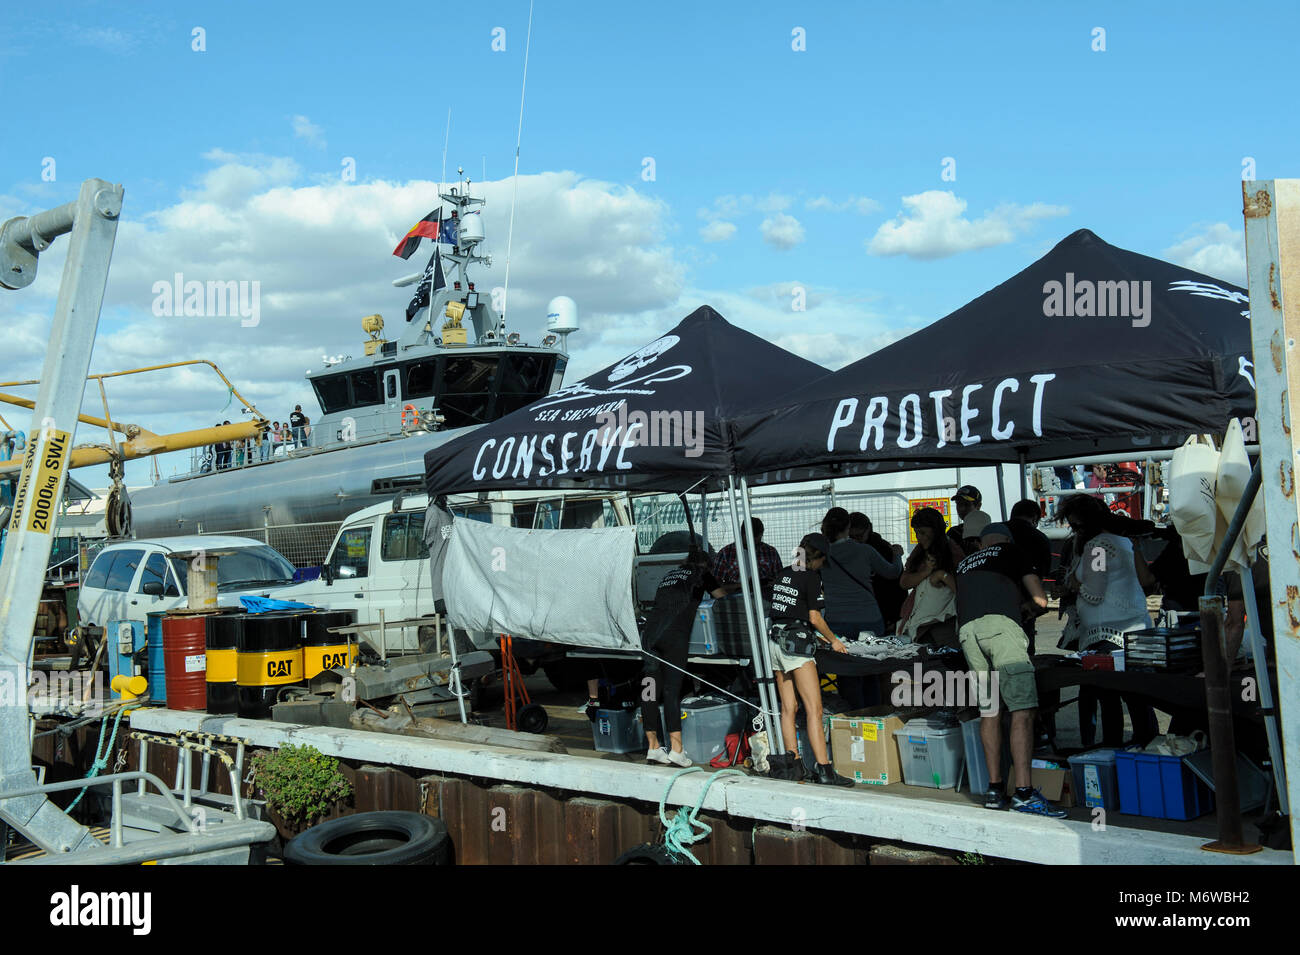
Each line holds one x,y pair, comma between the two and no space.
304,545
786,515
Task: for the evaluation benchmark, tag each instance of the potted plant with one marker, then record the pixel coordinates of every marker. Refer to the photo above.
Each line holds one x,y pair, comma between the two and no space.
301,786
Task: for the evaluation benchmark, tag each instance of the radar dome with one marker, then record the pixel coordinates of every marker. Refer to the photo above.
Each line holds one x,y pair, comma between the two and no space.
562,315
471,229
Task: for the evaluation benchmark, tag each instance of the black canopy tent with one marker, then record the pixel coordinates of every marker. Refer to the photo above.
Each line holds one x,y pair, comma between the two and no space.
658,420
1090,350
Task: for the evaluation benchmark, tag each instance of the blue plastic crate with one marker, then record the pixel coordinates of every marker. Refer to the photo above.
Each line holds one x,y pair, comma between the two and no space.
1159,786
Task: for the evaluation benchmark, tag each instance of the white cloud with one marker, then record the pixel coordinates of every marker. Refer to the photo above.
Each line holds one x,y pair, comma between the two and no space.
933,226
782,231
304,128
1218,251
718,231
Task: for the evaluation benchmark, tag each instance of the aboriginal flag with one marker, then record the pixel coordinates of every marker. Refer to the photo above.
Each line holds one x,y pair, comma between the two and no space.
425,228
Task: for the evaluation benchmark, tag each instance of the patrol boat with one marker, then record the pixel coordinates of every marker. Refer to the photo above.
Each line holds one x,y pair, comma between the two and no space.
378,414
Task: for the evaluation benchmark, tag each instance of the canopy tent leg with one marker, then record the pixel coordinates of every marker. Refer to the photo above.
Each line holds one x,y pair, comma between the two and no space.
1002,491
1024,478
762,670
764,646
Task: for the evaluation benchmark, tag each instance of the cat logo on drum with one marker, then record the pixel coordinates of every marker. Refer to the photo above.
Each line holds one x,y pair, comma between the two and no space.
329,661
276,668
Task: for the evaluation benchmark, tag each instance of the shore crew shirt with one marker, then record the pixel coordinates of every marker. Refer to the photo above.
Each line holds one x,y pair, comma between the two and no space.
988,582
676,599
795,593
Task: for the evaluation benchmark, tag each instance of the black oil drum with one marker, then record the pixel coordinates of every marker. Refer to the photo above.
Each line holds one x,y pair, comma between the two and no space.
269,659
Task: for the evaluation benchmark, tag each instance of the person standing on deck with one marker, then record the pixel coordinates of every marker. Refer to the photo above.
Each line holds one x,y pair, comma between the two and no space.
667,637
299,423
797,629
989,586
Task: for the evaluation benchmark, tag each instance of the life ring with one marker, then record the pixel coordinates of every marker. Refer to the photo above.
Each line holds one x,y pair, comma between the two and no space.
415,416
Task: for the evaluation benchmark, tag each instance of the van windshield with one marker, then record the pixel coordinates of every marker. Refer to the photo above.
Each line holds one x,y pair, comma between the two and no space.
258,566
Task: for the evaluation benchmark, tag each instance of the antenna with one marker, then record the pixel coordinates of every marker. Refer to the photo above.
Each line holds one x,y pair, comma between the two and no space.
505,299
445,142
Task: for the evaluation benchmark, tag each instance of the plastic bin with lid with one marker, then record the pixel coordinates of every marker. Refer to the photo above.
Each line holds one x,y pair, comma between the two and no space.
1095,782
931,752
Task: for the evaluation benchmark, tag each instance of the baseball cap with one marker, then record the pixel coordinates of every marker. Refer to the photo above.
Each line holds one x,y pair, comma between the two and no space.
817,542
975,523
969,493
995,528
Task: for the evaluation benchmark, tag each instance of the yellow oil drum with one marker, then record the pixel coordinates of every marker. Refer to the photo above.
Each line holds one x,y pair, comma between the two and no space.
322,650
268,659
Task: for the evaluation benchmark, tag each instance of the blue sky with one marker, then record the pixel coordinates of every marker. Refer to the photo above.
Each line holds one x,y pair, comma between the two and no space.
773,167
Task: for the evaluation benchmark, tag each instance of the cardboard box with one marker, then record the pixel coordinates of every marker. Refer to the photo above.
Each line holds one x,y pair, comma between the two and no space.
863,748
1056,785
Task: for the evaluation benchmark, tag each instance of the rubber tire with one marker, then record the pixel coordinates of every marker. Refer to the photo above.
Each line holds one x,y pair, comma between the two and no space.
532,719
425,841
647,854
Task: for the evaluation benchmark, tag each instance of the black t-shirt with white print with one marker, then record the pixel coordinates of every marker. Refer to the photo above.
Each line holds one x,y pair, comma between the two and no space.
297,419
989,582
794,593
676,600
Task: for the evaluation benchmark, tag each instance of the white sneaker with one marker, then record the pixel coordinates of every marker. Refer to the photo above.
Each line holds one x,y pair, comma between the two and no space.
679,759
659,756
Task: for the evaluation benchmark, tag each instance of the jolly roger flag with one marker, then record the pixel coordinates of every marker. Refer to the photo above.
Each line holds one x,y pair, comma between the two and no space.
426,228
432,281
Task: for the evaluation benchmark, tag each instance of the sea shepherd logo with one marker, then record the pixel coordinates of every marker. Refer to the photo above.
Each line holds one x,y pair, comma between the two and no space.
76,908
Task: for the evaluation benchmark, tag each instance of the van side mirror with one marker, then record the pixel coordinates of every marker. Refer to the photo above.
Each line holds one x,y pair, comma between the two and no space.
327,575
153,588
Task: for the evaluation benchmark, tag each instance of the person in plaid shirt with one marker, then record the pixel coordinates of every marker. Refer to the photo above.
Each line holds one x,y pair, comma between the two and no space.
727,571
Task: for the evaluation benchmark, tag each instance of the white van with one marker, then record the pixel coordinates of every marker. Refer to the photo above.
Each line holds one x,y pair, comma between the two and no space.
131,578
378,560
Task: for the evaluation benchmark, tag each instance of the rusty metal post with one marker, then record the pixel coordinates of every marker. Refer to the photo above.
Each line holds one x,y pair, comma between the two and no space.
1223,743
1271,209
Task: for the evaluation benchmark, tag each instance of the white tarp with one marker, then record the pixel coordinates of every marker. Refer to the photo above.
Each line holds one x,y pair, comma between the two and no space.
564,586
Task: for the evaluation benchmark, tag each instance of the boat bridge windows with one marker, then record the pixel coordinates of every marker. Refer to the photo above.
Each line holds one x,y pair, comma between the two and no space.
468,389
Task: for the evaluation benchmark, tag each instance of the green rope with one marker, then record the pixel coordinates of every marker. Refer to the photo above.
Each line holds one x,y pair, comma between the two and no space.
680,831
230,396
100,761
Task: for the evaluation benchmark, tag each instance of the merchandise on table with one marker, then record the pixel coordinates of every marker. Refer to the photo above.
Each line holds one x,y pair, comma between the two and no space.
1160,648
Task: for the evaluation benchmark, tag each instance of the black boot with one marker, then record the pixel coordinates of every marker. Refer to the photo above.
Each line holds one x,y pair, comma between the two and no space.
825,775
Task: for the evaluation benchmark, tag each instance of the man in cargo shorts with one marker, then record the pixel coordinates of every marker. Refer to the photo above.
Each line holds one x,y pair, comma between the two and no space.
989,613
